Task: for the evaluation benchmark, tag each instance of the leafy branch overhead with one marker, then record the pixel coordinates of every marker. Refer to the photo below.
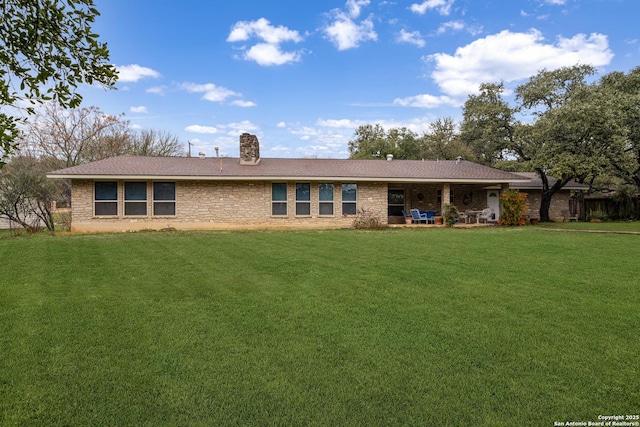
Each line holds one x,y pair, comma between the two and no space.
47,49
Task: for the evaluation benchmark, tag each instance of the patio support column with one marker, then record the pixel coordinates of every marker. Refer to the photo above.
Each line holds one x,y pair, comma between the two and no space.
446,195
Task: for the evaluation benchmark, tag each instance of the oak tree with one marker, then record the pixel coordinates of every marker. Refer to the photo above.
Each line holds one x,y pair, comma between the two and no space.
47,49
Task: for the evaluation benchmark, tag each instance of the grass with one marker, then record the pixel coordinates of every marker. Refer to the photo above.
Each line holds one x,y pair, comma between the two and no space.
447,327
620,226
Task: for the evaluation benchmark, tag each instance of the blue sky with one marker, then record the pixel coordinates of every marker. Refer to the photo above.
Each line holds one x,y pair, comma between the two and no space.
303,75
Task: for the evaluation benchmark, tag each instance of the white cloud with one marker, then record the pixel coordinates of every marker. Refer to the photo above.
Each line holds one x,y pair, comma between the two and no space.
281,125
269,51
243,126
413,37
244,104
556,2
354,7
211,92
425,101
266,54
417,124
201,129
442,6
157,90
451,26
509,57
262,29
340,123
134,72
344,32
141,109
347,34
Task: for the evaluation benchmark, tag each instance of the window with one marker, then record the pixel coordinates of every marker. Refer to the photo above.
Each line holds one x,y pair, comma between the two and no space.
164,198
303,199
395,202
325,199
135,198
106,198
349,197
279,198
450,196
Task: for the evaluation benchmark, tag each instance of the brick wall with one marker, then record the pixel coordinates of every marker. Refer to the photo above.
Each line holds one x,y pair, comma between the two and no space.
559,209
224,205
425,196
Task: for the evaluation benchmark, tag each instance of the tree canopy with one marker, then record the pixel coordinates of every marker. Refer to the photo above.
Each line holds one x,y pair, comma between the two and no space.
562,123
562,126
68,137
441,142
47,49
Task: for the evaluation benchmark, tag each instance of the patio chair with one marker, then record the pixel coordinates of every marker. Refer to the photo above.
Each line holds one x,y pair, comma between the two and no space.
417,216
407,217
485,215
464,216
431,217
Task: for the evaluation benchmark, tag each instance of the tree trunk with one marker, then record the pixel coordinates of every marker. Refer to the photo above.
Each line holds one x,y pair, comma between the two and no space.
545,204
548,192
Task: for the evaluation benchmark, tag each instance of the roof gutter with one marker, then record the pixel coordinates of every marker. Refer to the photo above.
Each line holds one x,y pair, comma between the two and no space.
285,178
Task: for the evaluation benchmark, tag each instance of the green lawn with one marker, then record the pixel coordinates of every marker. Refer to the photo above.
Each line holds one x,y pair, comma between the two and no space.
619,226
430,327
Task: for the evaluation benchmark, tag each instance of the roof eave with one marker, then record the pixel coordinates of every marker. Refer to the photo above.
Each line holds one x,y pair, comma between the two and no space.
283,178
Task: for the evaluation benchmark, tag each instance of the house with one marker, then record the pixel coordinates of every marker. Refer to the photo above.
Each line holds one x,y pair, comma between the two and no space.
136,193
565,204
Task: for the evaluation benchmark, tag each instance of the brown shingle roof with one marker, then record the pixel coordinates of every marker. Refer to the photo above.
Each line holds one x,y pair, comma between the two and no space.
181,168
536,183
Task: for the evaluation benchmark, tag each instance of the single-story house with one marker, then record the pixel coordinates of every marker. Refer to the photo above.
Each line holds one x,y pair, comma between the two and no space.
564,204
136,193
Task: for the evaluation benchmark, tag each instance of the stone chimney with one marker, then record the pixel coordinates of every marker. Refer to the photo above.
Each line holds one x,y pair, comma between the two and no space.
249,149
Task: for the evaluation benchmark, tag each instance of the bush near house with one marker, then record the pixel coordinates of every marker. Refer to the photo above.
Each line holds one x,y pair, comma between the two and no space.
513,206
450,214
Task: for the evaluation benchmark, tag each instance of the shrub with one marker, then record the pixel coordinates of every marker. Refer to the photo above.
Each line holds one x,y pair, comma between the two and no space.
513,204
450,214
367,220
624,201
597,216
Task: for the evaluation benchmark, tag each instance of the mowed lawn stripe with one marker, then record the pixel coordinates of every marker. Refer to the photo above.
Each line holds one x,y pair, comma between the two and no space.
495,326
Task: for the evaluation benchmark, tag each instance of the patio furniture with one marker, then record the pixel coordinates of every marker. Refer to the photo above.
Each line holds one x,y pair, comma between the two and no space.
485,215
464,216
417,216
431,217
472,215
407,218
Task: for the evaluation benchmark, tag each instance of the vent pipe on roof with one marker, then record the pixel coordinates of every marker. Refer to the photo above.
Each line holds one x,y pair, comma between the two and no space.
389,157
218,156
458,159
201,154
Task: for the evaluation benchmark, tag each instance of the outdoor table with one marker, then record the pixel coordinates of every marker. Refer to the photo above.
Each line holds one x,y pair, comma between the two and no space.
472,214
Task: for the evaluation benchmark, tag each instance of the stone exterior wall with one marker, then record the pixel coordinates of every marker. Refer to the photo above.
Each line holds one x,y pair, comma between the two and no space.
559,209
223,205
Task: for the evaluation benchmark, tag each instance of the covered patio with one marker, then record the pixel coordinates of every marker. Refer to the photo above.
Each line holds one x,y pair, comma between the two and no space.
470,197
